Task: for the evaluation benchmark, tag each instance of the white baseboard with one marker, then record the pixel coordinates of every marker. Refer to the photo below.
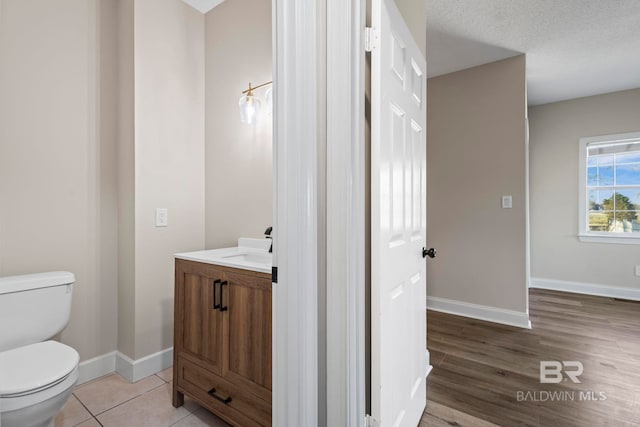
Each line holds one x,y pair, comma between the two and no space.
96,367
481,312
135,370
131,370
586,288
429,367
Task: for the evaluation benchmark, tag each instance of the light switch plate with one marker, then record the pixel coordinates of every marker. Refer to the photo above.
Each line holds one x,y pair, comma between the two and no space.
507,202
162,219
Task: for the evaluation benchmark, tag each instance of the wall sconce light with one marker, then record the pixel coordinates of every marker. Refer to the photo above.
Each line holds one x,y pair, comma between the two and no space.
250,106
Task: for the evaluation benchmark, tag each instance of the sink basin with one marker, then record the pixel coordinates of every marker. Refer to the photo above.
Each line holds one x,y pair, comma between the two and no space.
256,258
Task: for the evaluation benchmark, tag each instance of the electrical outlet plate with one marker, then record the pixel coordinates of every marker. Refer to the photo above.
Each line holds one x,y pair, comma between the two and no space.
507,202
162,219
637,270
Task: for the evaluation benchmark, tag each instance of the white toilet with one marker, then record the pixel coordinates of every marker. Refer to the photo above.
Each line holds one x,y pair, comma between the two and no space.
36,376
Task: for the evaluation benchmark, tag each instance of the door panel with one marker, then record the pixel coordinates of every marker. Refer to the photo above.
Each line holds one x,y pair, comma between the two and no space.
248,333
201,330
194,322
398,182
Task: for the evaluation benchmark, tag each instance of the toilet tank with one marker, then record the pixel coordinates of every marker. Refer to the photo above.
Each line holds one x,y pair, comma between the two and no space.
34,307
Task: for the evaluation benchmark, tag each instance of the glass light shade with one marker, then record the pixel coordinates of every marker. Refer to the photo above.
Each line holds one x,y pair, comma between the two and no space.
249,108
268,99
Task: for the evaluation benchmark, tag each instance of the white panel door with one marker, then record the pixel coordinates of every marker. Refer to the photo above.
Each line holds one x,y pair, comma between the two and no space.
398,221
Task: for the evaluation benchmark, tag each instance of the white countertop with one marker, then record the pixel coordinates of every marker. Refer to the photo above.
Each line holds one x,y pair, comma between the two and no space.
250,254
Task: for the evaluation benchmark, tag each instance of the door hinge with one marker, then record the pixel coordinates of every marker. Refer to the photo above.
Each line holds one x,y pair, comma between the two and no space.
369,421
369,36
274,274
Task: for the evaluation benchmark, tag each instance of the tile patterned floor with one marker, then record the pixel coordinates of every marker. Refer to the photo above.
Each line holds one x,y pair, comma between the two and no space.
112,401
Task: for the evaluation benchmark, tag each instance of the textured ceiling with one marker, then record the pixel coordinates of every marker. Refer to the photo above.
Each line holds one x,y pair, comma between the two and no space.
574,48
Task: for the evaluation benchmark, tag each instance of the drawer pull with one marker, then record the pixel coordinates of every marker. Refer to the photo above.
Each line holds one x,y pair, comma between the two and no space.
212,393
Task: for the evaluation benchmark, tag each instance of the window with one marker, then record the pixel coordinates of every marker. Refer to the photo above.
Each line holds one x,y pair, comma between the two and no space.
610,188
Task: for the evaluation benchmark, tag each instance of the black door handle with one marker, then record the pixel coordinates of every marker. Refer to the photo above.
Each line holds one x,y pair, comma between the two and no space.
222,306
213,394
215,304
431,253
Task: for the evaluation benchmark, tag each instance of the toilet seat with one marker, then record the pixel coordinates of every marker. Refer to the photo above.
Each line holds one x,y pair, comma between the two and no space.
35,373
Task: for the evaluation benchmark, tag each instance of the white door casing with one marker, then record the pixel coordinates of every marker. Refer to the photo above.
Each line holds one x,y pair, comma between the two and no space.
296,139
398,221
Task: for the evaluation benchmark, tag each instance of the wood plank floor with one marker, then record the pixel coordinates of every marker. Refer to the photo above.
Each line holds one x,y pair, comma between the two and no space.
488,374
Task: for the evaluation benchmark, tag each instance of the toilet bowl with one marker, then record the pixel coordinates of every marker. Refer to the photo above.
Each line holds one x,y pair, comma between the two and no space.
36,377
39,379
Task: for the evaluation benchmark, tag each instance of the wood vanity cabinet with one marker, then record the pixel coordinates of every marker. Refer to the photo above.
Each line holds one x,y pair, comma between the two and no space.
222,341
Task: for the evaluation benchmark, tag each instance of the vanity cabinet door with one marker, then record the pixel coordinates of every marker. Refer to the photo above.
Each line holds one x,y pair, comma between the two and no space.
198,329
247,332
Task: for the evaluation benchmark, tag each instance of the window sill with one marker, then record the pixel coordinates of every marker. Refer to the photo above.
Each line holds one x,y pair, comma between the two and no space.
598,238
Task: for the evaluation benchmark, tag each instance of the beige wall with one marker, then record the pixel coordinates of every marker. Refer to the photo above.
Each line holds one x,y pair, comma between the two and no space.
57,180
555,129
238,156
107,200
102,121
126,177
415,15
476,154
169,158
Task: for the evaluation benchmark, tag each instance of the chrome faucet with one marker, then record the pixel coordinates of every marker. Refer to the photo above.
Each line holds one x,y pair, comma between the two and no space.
267,234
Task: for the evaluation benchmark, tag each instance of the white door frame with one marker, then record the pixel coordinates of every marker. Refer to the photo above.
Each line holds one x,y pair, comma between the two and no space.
296,177
299,39
346,397
295,296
